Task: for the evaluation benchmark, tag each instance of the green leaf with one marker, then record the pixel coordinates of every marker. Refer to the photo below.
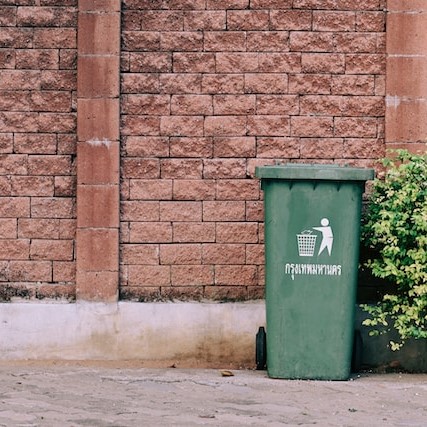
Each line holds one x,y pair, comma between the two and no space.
395,226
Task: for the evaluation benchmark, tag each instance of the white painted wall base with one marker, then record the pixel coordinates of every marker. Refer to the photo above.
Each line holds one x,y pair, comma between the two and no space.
203,334
184,333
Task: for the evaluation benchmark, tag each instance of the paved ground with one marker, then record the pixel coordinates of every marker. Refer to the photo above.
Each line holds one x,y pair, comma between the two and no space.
68,395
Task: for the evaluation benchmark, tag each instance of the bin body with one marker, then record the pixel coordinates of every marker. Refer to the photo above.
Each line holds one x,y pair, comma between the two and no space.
312,224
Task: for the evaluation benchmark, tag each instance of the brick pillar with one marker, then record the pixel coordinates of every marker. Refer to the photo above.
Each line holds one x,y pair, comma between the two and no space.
98,157
406,87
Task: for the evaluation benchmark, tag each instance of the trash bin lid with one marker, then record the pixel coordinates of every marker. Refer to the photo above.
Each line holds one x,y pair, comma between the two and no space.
319,172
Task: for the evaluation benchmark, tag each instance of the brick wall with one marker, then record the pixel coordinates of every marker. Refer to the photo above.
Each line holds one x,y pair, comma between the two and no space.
37,147
209,90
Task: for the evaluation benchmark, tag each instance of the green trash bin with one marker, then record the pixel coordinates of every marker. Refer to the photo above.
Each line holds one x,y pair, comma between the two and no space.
312,222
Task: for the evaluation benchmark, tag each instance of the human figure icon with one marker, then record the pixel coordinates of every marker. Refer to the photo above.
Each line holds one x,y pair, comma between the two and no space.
327,236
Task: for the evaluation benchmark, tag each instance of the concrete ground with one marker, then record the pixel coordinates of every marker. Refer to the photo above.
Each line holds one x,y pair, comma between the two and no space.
99,394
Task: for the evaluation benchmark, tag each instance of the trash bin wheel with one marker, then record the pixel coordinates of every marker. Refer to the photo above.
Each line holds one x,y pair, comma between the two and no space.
356,359
261,349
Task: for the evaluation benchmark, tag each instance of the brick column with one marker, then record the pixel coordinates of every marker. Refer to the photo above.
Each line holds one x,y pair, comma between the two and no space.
406,88
98,155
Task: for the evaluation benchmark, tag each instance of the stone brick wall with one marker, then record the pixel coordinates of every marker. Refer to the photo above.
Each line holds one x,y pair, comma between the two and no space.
209,90
406,88
37,147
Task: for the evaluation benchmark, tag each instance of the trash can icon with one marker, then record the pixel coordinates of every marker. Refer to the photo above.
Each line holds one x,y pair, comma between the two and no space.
306,243
312,219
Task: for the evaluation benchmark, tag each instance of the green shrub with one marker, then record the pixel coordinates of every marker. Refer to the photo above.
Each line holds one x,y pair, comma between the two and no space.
395,227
